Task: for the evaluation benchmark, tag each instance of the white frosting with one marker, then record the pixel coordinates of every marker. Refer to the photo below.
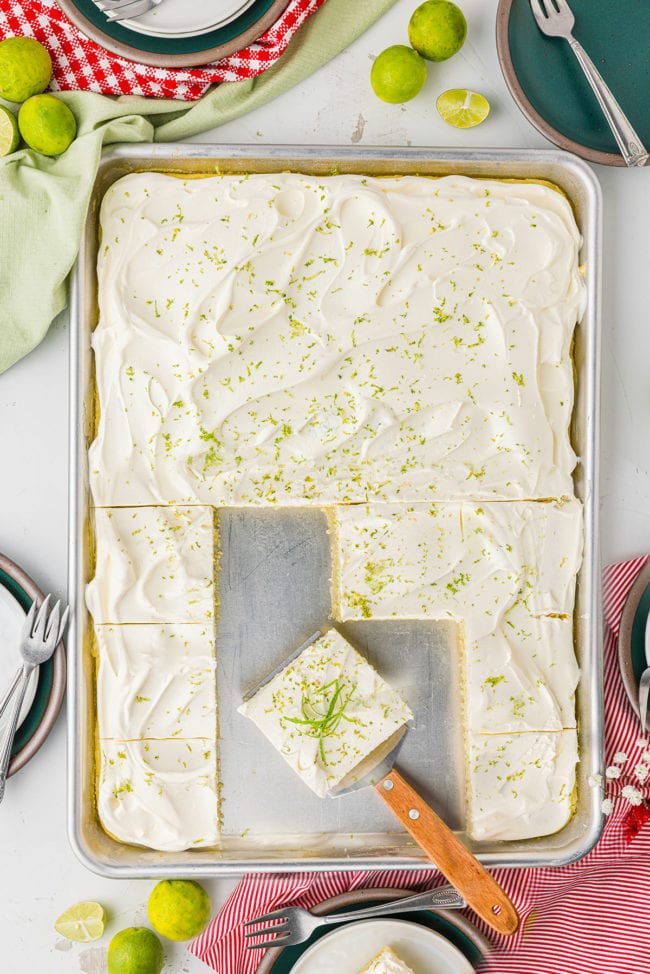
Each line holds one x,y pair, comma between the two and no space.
466,561
328,673
386,962
288,339
394,343
160,794
153,564
490,567
522,785
156,682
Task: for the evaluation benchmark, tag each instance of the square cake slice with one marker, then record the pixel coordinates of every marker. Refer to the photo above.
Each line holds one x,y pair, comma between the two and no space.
159,794
154,565
156,682
386,962
327,711
521,785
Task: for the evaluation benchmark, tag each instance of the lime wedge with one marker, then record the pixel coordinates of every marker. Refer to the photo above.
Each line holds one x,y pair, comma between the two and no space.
83,922
463,109
9,134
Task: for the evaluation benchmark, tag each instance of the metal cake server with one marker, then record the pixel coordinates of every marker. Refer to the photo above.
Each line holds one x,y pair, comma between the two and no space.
454,860
555,19
644,682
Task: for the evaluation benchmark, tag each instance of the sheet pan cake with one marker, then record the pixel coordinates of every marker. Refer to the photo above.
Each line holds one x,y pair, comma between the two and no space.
394,350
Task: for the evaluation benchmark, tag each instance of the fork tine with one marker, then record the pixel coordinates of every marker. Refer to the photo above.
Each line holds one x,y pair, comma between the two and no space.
278,928
63,624
269,943
29,618
274,915
41,619
53,621
539,12
129,11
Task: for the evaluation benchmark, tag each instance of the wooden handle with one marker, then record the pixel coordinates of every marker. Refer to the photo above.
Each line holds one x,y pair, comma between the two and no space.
452,858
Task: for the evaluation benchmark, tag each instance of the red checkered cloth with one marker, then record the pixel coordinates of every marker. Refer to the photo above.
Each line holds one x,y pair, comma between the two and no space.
80,64
591,917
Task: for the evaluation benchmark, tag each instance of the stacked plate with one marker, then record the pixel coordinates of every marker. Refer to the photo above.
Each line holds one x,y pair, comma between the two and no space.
178,33
178,18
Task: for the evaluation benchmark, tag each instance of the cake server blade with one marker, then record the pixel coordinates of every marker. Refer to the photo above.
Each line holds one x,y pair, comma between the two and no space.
435,838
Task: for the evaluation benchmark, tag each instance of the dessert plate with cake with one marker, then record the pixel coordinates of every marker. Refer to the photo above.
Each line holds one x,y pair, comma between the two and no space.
345,390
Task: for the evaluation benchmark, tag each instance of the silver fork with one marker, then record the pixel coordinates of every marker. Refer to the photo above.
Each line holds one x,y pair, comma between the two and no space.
116,10
555,18
41,635
296,925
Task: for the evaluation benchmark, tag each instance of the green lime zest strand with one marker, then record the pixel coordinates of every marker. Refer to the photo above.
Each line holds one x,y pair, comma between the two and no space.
323,711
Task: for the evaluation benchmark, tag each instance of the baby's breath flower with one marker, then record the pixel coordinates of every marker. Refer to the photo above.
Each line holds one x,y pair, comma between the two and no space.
613,772
595,779
607,806
633,796
645,757
642,742
620,757
642,771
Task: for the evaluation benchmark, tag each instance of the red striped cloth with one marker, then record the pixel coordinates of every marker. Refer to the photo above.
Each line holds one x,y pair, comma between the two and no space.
592,917
80,64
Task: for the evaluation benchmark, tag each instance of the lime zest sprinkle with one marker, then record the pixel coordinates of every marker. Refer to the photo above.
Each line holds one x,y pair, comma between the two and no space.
323,711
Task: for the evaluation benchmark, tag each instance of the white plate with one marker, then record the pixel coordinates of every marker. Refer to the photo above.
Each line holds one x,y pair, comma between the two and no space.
348,949
12,618
178,18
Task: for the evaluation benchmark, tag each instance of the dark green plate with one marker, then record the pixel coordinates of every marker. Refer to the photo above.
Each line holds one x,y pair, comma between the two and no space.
434,921
631,635
547,82
173,51
50,688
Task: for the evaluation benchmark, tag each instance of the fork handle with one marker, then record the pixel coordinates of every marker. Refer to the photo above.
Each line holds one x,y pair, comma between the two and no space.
629,142
10,733
10,691
444,897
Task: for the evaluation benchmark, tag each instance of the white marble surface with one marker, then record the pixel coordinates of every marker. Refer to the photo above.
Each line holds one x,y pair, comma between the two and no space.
40,875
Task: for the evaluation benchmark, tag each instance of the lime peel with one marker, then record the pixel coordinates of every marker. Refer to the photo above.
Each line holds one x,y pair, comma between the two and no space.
135,950
82,922
25,68
179,909
9,134
462,108
398,74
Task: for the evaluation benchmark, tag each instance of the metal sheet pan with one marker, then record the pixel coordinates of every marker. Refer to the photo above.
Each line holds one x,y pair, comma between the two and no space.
270,822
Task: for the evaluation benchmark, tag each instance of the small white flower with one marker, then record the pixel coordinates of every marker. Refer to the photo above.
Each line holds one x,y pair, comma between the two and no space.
595,779
620,757
607,806
633,796
645,757
613,772
642,771
642,742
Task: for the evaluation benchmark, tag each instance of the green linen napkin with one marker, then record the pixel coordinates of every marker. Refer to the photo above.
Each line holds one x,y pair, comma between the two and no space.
43,201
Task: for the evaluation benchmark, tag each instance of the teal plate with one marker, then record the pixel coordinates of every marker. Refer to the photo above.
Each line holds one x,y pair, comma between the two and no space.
50,688
549,87
172,51
458,931
631,635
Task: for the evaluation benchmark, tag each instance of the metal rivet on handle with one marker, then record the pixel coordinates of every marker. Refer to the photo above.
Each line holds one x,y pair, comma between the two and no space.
413,813
388,784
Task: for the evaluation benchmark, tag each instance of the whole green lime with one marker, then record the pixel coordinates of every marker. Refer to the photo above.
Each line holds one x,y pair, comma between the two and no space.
398,74
437,29
46,124
179,908
135,950
25,68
